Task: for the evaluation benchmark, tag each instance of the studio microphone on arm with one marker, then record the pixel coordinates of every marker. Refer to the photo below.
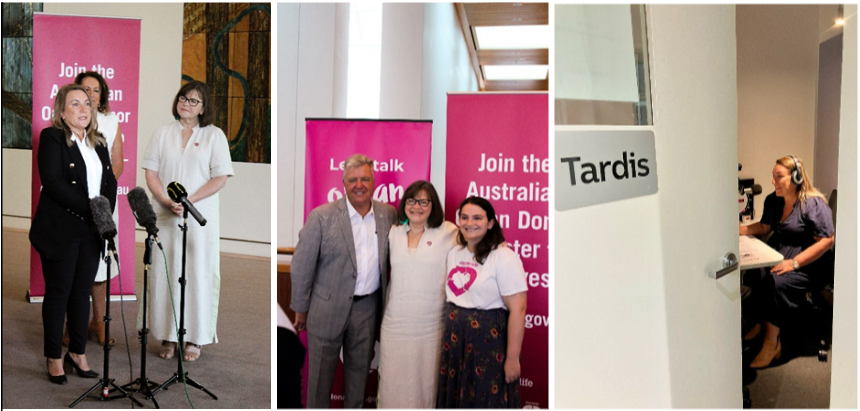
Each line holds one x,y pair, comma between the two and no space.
100,207
178,194
143,213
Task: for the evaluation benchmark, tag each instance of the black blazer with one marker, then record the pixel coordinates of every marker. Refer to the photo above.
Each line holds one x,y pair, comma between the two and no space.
63,213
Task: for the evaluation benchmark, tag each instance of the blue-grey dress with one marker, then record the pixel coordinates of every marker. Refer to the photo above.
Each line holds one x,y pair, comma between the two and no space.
810,219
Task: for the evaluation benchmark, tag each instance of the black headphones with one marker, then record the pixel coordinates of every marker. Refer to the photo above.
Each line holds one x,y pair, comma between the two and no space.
797,173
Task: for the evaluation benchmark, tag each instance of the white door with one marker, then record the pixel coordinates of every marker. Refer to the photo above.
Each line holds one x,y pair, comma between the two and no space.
639,320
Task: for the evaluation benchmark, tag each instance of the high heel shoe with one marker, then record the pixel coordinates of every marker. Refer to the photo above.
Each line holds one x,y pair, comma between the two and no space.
767,354
81,373
56,379
97,332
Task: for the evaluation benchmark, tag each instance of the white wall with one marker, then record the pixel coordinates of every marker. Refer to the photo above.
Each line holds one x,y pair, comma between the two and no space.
777,70
843,388
402,61
160,70
447,68
424,56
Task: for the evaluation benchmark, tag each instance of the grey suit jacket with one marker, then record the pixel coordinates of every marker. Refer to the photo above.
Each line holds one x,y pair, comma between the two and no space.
323,268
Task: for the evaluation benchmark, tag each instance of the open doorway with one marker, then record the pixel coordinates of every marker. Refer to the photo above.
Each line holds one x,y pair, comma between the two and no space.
789,62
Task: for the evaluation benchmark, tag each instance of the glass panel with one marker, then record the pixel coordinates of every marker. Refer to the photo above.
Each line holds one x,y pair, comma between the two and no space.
601,65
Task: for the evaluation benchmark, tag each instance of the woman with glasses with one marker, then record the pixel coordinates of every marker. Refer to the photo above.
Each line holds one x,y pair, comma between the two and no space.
802,226
194,153
411,332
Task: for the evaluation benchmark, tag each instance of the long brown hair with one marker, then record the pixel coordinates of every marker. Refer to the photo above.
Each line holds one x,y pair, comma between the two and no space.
494,235
93,135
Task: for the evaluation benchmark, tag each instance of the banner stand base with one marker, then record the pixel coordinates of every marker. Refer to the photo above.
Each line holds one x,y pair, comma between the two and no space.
39,298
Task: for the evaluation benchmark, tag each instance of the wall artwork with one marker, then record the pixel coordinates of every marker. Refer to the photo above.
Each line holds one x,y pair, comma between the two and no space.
18,74
228,46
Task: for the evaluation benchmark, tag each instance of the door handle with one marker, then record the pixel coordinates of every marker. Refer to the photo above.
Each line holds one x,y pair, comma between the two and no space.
730,263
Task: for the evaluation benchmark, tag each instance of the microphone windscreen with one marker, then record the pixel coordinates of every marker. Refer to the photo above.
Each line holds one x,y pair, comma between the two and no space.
100,207
176,192
142,208
756,189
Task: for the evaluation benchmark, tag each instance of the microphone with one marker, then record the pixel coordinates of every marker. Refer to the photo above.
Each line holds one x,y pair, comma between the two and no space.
100,207
177,193
143,213
754,190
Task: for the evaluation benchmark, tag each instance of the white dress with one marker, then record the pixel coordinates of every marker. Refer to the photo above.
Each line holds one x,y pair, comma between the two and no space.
411,332
108,124
206,156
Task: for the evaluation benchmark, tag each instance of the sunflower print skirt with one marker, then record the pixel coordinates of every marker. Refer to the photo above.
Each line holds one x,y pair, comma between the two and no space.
472,369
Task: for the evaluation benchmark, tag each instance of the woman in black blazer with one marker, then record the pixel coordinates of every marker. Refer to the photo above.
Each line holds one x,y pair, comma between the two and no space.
74,166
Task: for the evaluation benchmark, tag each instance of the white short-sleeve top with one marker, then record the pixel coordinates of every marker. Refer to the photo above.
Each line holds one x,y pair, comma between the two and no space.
482,286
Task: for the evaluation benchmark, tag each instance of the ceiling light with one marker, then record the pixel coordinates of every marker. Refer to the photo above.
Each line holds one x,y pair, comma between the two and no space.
516,72
513,37
840,16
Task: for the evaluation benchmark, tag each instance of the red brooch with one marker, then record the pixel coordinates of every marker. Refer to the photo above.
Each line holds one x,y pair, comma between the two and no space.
429,243
196,144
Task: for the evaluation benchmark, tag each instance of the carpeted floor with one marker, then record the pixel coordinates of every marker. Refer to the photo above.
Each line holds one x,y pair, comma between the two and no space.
237,369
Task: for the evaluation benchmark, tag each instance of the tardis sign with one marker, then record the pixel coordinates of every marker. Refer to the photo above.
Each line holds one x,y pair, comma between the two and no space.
600,166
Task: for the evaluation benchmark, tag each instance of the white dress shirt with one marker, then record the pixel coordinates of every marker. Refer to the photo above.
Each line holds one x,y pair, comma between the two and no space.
366,250
93,163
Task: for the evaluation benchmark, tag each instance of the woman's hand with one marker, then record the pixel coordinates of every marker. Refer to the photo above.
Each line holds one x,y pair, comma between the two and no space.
783,267
177,208
512,369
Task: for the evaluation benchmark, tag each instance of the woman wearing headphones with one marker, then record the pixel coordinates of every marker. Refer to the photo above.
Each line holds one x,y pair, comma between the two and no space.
802,227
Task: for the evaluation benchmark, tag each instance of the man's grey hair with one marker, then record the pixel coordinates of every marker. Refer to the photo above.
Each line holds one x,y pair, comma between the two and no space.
357,160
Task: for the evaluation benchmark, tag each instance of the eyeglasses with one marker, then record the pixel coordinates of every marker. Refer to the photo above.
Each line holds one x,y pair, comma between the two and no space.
191,101
422,202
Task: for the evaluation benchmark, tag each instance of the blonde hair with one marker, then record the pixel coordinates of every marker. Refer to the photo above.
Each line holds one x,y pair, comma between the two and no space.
357,160
804,190
94,137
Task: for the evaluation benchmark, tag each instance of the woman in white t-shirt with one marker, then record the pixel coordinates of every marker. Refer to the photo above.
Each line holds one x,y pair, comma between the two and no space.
485,316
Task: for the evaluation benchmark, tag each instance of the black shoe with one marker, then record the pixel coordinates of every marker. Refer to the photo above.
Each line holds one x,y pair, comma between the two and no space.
81,373
57,379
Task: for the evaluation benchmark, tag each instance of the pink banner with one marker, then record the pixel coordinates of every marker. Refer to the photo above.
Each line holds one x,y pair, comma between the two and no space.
498,149
401,150
110,46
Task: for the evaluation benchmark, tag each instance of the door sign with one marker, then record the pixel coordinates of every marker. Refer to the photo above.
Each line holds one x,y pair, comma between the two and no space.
601,166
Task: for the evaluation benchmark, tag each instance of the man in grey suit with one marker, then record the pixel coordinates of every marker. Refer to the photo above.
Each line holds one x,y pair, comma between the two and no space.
339,275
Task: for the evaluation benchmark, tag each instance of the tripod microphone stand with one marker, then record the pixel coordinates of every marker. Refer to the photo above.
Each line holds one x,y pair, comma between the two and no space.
106,382
181,374
144,386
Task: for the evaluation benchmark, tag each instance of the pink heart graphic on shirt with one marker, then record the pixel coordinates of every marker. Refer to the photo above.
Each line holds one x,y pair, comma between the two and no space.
460,279
196,144
429,243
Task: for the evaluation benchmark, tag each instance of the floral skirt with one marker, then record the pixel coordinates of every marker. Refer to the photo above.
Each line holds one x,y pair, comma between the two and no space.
472,370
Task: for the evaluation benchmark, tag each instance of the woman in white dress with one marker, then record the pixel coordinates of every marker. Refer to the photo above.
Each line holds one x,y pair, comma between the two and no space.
195,154
108,125
411,332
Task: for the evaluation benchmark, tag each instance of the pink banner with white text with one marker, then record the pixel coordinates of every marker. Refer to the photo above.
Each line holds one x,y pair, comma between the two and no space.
498,149
110,46
401,153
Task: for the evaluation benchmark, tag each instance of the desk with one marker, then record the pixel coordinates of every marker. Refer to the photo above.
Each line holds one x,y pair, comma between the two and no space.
756,254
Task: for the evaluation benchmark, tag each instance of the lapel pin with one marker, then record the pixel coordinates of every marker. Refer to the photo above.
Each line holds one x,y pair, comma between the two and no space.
196,144
429,243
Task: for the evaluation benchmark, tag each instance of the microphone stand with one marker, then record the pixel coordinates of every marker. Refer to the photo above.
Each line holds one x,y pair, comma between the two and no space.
106,382
144,386
180,373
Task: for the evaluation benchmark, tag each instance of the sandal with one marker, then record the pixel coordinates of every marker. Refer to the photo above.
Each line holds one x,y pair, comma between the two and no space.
168,349
192,352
